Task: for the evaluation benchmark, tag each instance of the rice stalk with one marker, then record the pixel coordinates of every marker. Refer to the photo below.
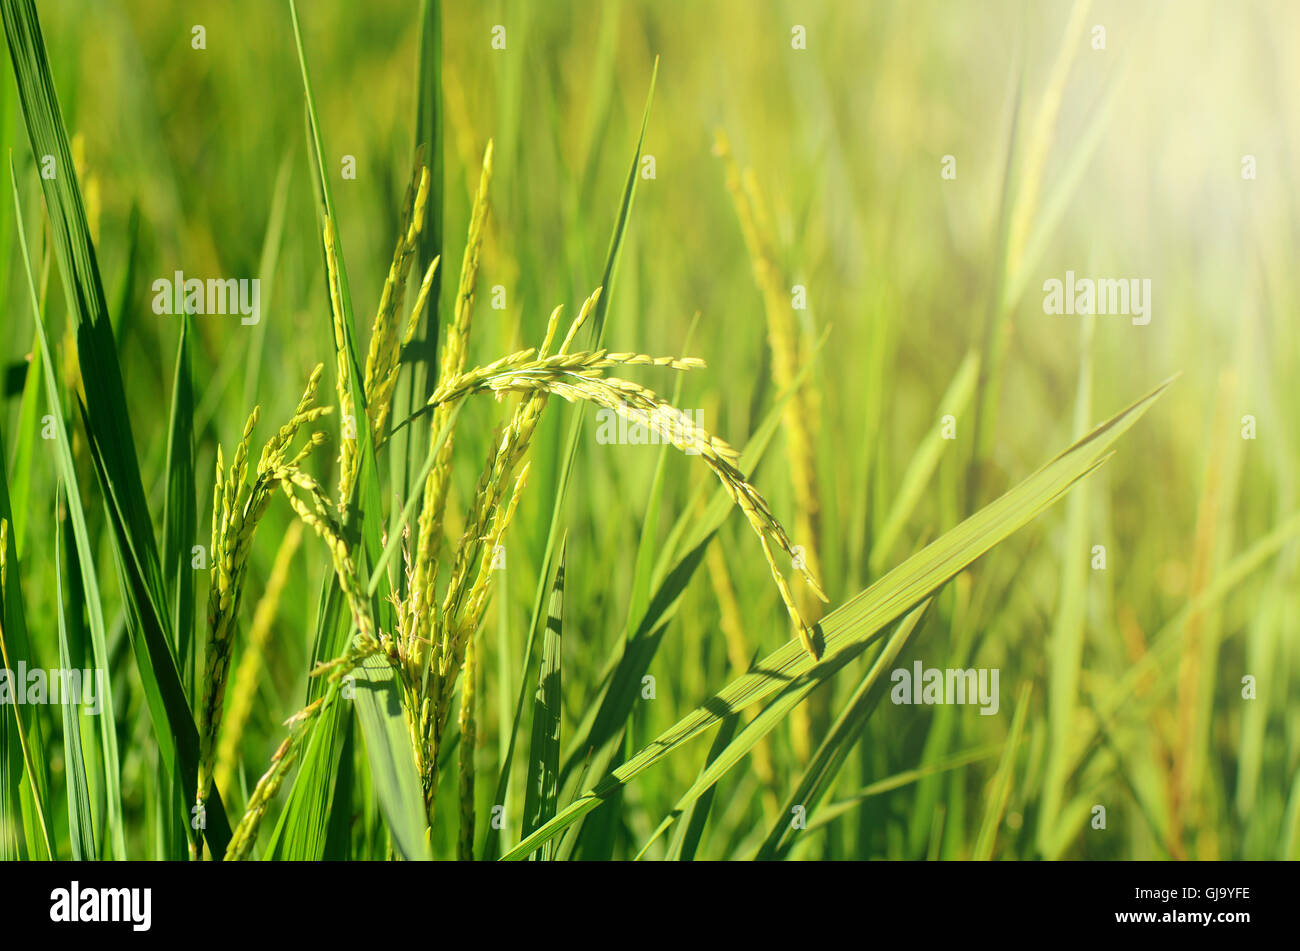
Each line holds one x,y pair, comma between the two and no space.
782,334
234,520
468,738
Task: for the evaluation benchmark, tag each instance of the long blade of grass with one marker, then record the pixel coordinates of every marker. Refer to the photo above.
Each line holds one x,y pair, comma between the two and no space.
569,453
38,784
544,749
856,623
85,551
80,823
108,426
778,710
392,760
820,774
414,389
180,514
690,828
1000,788
1066,644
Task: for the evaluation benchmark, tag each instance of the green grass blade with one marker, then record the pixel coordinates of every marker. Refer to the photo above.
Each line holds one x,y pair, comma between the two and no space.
570,451
620,225
690,827
80,823
108,427
23,803
1066,645
1000,788
180,514
391,757
421,355
820,774
267,266
180,530
857,622
302,832
544,749
988,387
85,550
78,265
778,711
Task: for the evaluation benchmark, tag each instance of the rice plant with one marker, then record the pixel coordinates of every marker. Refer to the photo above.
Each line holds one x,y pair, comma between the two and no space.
386,590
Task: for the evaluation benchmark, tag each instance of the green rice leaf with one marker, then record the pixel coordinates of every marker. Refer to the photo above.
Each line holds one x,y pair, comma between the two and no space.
544,750
20,737
85,552
108,427
859,621
392,760
1000,788
80,822
810,788
180,513
820,774
570,451
421,355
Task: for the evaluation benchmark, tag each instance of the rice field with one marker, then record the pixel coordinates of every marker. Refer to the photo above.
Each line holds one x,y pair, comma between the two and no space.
744,430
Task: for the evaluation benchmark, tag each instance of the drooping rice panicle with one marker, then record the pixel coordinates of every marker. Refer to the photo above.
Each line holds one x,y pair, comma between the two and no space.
800,414
576,378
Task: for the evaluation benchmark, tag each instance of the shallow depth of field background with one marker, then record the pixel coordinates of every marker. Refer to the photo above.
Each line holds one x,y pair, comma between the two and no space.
1134,171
